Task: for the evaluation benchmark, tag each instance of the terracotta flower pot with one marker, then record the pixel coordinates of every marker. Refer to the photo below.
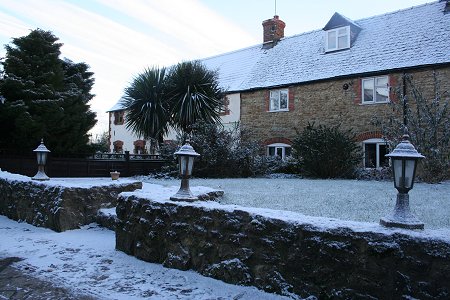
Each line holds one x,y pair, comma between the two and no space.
114,175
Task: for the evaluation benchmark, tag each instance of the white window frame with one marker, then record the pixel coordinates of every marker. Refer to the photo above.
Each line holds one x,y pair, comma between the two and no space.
279,146
275,96
374,93
336,31
377,143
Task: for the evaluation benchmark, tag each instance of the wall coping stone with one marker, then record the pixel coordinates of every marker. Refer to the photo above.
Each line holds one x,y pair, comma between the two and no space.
61,203
318,223
75,182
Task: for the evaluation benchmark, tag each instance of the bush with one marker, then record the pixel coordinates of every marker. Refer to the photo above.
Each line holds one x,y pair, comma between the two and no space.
170,169
267,165
383,174
222,152
428,123
327,152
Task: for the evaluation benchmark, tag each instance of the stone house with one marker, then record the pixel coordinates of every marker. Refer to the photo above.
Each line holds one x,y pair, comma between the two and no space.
345,73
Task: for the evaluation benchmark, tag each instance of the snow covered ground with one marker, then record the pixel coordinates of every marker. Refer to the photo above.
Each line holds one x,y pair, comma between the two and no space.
86,262
355,200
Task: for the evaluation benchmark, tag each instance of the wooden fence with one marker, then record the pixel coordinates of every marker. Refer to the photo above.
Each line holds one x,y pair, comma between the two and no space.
98,165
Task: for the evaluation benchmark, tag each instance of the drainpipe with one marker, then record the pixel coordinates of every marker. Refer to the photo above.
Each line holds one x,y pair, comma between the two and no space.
405,100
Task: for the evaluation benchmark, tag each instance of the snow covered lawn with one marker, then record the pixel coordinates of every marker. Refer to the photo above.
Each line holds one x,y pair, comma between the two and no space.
365,201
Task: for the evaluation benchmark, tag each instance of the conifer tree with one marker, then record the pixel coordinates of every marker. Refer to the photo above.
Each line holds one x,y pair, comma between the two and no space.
44,97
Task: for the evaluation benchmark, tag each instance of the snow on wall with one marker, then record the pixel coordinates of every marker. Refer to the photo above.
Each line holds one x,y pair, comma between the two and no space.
285,252
59,204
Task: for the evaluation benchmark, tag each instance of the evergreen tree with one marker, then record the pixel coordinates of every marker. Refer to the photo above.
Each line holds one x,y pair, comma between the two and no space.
45,97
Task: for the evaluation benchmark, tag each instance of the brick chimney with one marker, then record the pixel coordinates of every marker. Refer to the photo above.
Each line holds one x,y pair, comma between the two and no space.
273,30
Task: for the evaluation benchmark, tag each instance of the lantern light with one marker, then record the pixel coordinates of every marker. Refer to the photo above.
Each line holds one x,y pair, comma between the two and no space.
186,155
41,155
404,160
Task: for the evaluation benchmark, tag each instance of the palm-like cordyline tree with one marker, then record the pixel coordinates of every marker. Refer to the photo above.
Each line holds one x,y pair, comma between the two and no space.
194,95
155,101
146,104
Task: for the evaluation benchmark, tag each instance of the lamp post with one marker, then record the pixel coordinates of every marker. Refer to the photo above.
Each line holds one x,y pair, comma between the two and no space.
186,156
404,162
41,153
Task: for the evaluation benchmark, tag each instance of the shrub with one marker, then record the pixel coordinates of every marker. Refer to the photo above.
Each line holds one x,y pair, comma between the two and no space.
266,165
222,152
327,152
428,123
170,169
383,174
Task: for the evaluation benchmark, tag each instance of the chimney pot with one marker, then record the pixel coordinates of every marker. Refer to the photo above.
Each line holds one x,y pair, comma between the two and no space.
273,30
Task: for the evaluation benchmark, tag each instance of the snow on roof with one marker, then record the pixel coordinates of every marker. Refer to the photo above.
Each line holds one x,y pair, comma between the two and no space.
406,38
412,37
233,67
116,107
337,17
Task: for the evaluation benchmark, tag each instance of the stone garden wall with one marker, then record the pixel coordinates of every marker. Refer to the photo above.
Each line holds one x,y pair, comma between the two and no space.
296,256
54,206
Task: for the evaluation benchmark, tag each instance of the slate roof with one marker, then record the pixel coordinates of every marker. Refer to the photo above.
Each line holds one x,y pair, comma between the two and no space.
412,37
116,106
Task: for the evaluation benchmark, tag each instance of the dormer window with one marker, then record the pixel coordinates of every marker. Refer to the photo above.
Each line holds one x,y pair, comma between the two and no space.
337,39
340,33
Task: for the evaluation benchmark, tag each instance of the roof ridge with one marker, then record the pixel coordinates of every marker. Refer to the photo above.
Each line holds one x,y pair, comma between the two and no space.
320,29
398,11
366,18
226,53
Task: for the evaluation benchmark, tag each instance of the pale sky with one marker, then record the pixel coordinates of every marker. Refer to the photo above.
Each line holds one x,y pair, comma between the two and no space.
119,38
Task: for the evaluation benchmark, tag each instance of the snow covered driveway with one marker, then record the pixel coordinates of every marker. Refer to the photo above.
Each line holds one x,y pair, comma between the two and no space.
85,262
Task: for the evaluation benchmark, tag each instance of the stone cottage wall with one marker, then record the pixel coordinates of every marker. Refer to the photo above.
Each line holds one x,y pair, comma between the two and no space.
57,207
282,256
327,103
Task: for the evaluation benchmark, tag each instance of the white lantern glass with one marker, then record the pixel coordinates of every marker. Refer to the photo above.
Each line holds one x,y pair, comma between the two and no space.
41,158
397,165
183,164
190,166
186,165
410,165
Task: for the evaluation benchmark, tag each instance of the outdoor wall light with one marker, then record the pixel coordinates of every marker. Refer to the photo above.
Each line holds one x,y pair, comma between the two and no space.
404,160
186,156
41,153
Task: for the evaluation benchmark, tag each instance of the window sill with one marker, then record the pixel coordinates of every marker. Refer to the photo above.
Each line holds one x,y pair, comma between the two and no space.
281,110
374,103
375,169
